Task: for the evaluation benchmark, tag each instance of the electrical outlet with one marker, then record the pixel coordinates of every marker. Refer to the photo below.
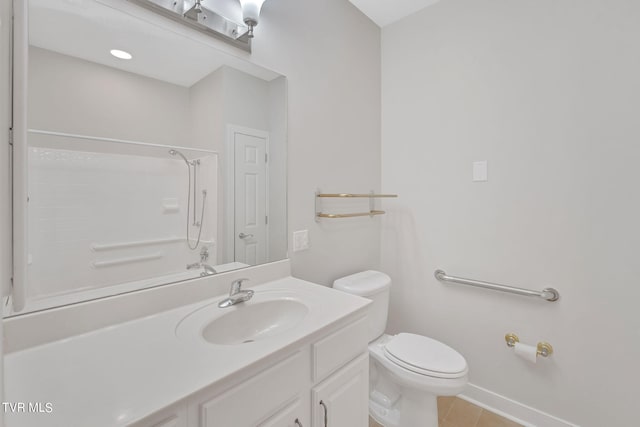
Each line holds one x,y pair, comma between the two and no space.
300,240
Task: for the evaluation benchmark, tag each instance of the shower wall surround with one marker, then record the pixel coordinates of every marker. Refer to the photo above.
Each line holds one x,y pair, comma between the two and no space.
105,219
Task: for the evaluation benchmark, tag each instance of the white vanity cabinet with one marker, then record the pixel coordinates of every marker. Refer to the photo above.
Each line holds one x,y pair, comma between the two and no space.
340,395
333,369
262,399
343,398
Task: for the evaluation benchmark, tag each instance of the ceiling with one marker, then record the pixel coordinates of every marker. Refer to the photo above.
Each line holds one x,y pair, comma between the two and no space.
385,12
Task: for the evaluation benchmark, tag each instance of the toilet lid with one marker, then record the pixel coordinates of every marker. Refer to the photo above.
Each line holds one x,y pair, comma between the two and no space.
425,356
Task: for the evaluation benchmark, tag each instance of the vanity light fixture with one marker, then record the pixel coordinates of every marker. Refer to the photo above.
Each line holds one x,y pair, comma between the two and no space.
250,13
120,54
207,17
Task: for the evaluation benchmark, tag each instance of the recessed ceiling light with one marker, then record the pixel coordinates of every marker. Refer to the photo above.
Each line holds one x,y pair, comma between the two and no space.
121,54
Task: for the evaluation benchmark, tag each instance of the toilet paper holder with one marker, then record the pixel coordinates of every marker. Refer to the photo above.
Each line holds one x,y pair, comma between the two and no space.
544,349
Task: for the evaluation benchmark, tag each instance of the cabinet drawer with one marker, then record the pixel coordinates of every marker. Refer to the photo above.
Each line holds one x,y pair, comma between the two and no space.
335,350
256,399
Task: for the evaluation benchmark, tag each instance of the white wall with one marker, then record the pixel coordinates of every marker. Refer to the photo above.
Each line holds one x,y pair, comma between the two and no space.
548,93
206,104
232,97
278,168
131,106
5,177
330,53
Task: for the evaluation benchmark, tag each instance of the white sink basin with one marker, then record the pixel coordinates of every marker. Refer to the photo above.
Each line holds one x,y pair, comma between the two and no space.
255,322
262,317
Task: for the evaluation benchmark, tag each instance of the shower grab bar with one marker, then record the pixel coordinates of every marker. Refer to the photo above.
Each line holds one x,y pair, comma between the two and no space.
549,294
99,247
128,260
121,245
114,140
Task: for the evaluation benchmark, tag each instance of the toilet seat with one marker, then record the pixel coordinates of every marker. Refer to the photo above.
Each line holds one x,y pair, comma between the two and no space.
425,356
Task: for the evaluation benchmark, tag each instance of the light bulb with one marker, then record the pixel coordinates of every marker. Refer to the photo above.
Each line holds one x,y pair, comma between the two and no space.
251,11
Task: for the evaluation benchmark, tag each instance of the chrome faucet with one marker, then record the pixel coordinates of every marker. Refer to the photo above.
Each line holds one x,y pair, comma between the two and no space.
192,266
208,270
236,294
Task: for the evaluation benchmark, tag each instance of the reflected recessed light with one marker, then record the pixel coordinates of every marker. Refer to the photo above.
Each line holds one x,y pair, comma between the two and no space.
121,54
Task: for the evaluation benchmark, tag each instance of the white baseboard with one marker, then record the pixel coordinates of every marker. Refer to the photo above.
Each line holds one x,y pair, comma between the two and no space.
510,409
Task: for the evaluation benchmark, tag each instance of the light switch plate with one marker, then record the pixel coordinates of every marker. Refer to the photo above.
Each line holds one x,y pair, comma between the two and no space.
300,240
480,171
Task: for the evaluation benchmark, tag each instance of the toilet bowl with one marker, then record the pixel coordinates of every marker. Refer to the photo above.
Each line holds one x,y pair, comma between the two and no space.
406,371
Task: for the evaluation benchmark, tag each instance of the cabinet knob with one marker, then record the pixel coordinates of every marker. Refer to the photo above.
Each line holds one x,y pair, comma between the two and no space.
326,411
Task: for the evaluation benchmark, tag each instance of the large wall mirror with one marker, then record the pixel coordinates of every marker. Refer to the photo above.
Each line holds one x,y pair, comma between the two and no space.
160,163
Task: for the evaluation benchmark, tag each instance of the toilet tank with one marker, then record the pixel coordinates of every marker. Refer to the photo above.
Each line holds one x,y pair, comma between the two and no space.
373,285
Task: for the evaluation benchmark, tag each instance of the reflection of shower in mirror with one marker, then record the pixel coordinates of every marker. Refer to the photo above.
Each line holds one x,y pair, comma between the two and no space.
194,164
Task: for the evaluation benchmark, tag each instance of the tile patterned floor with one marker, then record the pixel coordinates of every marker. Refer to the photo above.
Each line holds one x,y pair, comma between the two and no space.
455,412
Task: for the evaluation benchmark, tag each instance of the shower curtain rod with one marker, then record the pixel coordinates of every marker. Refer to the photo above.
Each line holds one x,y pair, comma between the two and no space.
117,141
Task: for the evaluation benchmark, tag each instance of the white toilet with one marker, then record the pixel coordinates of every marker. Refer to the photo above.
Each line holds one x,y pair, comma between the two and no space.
406,371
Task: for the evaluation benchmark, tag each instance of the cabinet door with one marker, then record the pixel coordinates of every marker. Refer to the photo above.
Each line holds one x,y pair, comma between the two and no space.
293,415
343,398
256,399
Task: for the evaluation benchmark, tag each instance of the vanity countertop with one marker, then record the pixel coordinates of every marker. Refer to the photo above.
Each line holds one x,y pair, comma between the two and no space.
120,374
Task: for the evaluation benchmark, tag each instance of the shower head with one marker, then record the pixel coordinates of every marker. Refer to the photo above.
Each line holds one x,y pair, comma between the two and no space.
177,153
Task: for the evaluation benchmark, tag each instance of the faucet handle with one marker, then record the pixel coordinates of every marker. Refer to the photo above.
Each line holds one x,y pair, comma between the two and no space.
236,285
204,254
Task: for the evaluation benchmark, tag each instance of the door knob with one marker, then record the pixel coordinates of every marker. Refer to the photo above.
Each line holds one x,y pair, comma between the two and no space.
245,236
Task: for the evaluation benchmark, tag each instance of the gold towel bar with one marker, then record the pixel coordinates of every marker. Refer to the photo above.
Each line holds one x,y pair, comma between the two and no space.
370,196
354,195
349,215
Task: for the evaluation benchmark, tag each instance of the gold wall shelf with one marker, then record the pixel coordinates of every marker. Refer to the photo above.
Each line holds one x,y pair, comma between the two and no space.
371,196
349,215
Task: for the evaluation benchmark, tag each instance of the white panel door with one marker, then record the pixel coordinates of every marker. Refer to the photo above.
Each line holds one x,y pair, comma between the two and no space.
250,195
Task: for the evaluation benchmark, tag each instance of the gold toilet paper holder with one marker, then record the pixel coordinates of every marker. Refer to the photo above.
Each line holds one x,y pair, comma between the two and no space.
544,349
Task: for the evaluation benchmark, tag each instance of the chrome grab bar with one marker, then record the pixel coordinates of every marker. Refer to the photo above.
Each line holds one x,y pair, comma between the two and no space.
549,294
